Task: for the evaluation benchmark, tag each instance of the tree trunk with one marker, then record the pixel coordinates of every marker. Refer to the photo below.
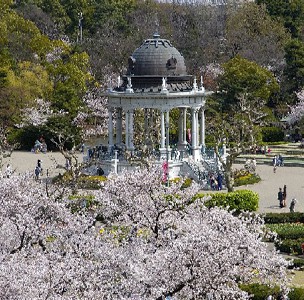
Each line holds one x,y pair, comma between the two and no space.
227,168
229,180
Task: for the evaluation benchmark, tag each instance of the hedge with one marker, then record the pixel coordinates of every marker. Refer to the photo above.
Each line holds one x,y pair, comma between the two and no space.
241,200
290,231
298,263
290,246
261,292
276,218
272,134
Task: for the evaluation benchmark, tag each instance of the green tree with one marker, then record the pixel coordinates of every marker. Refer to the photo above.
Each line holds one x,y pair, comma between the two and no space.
34,67
254,35
291,13
19,89
70,74
240,109
294,70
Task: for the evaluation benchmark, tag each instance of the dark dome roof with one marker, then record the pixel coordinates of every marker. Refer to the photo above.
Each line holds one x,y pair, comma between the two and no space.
156,57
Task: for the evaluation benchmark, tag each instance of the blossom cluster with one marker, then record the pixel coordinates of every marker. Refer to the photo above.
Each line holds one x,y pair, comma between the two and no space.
297,111
138,239
96,107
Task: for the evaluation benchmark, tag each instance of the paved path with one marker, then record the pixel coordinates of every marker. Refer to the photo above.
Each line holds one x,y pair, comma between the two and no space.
22,162
268,188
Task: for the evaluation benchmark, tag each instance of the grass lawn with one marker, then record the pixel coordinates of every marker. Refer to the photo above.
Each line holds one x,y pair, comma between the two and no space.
297,279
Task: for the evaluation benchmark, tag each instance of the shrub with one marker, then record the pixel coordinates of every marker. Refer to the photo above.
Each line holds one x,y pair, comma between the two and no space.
84,181
79,202
298,263
242,200
288,230
290,246
187,183
275,218
260,291
272,134
296,294
90,182
247,179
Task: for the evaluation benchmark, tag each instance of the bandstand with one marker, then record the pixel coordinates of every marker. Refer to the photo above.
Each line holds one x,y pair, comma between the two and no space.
157,80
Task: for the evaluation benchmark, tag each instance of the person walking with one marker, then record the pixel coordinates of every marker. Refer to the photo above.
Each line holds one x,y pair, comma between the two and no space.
292,205
39,165
284,195
219,182
280,197
8,171
274,163
37,173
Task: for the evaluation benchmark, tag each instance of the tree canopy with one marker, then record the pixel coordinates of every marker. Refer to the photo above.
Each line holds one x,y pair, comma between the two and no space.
239,108
134,238
47,34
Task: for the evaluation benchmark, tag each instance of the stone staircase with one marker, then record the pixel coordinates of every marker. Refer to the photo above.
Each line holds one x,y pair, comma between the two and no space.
292,154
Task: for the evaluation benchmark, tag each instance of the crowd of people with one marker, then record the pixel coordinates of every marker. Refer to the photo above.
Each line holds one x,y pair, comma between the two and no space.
216,182
40,146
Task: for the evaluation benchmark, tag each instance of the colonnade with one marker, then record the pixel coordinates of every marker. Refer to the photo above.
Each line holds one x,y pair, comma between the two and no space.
197,140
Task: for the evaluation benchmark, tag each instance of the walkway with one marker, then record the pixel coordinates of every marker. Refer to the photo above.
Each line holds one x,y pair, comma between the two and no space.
25,161
268,188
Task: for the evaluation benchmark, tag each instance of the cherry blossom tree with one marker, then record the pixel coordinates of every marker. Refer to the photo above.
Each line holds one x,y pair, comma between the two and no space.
137,239
36,114
297,111
96,110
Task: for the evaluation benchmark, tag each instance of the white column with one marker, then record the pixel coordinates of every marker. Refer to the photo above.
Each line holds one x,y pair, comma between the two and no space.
168,149
185,125
110,130
127,130
197,127
202,128
180,128
193,130
195,149
167,130
163,134
131,129
119,126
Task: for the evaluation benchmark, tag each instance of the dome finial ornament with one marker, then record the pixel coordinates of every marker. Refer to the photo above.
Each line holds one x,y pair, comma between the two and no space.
156,34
